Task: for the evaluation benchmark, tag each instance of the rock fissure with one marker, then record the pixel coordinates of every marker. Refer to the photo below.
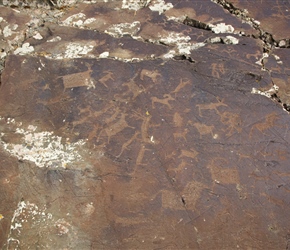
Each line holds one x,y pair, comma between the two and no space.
266,37
269,45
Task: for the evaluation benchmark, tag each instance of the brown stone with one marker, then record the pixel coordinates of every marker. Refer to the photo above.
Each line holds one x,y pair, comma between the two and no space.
137,130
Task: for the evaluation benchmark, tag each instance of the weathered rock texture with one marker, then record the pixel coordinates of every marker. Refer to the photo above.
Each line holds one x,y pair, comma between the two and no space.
145,125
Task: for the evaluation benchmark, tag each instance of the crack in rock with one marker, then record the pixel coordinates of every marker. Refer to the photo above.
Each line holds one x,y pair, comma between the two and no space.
272,94
266,37
215,28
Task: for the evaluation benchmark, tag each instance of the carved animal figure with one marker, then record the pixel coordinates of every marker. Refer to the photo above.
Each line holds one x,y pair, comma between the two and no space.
115,128
164,101
151,74
202,128
105,78
267,124
211,106
181,85
232,121
182,134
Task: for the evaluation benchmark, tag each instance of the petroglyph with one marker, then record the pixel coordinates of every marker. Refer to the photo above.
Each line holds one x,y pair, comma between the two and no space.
202,129
182,84
218,69
211,106
177,120
153,75
86,114
144,126
191,193
188,153
107,77
267,124
256,55
160,150
221,173
82,79
232,121
127,143
112,116
164,101
115,128
171,200
94,132
181,166
133,88
182,135
140,156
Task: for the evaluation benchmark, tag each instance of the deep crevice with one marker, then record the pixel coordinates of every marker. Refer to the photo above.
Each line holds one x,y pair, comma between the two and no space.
196,24
183,201
183,58
269,43
265,36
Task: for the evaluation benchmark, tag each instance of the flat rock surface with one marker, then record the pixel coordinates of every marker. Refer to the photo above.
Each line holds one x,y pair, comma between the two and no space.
144,125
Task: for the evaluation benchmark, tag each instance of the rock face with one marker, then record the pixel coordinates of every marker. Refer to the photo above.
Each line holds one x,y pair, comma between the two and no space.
144,125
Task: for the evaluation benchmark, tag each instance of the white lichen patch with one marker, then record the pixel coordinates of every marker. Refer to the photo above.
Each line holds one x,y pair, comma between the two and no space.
260,61
230,40
160,6
8,30
26,213
278,59
62,226
133,59
90,83
38,36
225,40
222,28
10,120
55,39
93,1
216,39
78,20
44,148
180,41
268,93
197,46
182,48
77,50
178,19
134,4
73,50
104,54
3,54
89,21
89,209
34,221
173,38
25,49
170,54
75,20
182,44
121,29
